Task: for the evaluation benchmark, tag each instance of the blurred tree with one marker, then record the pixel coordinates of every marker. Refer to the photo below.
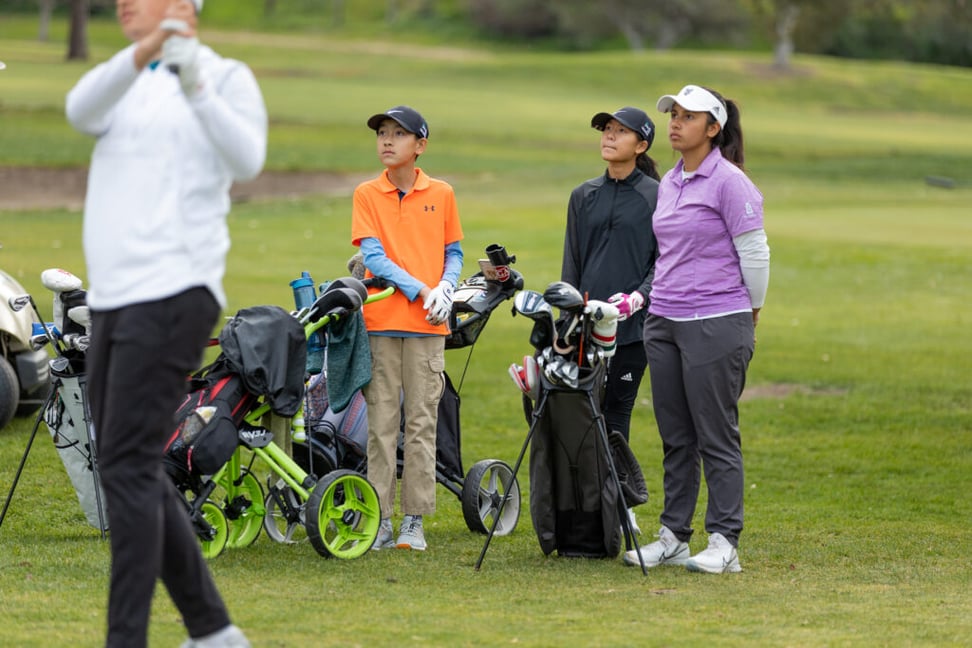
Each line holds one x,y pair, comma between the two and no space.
515,18
46,9
78,36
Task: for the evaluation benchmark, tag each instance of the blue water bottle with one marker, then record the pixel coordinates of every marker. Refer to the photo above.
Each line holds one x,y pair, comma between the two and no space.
304,297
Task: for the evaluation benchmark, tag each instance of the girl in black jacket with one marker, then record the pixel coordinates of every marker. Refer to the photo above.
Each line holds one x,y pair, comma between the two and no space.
609,249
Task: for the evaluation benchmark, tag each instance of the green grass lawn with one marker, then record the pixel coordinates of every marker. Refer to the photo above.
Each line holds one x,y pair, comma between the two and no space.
857,426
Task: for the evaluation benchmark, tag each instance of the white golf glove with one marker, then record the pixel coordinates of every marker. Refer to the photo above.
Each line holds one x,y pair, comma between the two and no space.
180,56
439,303
626,304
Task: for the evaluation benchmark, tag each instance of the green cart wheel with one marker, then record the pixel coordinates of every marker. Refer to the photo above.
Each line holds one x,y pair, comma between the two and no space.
215,530
245,511
343,515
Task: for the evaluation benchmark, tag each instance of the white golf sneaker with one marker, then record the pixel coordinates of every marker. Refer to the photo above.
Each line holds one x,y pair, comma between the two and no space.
667,550
228,637
386,536
633,522
719,558
410,534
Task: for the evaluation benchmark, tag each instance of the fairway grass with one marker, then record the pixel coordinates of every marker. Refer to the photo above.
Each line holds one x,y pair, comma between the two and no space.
856,423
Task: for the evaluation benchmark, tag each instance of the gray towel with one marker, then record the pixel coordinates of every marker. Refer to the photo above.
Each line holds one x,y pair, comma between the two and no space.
348,359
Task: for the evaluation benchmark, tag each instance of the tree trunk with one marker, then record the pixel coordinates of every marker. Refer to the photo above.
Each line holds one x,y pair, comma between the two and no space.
337,13
786,20
78,38
269,7
46,9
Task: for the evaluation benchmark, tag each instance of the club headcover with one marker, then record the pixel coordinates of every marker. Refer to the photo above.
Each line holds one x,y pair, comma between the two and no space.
531,377
58,280
335,301
564,296
356,266
349,282
81,315
518,375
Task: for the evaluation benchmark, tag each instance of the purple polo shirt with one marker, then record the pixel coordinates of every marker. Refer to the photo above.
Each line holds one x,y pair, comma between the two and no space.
697,273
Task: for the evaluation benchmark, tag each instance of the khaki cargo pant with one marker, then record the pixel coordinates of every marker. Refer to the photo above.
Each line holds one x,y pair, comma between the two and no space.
406,374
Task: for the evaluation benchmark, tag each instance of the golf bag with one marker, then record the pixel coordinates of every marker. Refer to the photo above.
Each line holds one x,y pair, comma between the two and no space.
337,439
263,354
72,432
209,417
340,439
582,477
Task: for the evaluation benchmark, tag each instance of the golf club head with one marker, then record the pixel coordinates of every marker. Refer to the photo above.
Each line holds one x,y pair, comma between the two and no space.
18,303
564,296
58,280
531,304
38,342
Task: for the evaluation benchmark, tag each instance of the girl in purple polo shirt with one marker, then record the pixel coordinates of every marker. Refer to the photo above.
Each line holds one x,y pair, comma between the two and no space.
710,282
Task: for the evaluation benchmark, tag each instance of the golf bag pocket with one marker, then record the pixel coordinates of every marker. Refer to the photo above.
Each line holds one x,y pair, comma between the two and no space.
209,420
349,427
74,440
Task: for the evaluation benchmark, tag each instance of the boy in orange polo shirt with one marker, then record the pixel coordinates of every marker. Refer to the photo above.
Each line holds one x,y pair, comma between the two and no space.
408,229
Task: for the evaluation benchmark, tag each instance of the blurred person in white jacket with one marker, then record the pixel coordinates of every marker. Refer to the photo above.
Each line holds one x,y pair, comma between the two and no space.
176,124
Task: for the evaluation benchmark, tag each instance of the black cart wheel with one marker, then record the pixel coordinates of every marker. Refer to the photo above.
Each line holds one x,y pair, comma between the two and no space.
9,392
483,490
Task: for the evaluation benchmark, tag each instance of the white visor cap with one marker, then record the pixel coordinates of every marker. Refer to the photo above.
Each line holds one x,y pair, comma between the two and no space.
695,99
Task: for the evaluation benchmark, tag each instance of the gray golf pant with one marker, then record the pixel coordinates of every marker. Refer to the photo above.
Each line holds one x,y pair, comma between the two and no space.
698,371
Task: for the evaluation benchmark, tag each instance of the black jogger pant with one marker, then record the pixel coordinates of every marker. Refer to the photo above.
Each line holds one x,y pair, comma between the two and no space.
137,365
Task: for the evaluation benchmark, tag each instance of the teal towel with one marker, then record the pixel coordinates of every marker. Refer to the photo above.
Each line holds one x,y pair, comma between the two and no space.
348,359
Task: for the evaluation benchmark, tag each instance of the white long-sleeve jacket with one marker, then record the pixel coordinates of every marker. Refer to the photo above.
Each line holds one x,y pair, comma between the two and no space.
161,170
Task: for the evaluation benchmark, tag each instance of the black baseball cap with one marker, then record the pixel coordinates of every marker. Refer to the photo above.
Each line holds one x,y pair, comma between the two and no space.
408,118
632,118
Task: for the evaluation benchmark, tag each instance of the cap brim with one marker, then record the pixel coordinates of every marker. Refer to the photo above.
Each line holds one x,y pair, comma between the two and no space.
665,103
375,120
600,120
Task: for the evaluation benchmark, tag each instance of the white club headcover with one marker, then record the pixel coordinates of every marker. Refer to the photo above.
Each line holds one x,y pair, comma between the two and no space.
58,280
81,315
605,329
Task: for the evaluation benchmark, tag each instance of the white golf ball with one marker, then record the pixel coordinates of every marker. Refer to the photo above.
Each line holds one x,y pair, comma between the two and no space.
2,65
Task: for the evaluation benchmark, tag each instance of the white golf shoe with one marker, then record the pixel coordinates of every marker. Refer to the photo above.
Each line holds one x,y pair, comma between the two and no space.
719,558
667,550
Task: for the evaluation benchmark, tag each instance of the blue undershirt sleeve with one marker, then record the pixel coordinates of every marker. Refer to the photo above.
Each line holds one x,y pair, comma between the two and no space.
453,263
380,265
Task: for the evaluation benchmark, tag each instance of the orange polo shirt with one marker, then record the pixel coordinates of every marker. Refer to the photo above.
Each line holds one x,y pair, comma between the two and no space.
414,231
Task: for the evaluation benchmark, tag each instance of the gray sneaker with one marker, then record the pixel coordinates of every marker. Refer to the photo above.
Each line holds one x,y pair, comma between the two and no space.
719,557
410,535
386,537
667,550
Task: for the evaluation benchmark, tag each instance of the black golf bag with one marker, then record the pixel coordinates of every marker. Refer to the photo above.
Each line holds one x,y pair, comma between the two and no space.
574,501
263,354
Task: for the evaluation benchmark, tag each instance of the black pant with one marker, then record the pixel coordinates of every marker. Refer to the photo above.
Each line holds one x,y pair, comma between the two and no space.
137,364
623,379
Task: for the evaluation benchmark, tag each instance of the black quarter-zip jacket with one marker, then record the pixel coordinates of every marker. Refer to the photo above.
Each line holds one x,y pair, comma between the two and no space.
609,245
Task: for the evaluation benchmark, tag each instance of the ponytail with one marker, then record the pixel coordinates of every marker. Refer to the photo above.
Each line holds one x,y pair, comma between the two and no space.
647,166
729,139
